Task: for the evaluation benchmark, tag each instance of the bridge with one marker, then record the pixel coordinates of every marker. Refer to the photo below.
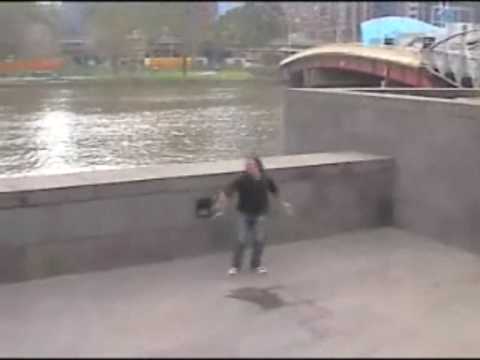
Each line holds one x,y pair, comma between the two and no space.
449,62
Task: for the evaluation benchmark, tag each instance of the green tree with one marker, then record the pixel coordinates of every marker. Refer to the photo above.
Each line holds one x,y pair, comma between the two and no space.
254,24
111,23
180,18
155,16
19,20
109,26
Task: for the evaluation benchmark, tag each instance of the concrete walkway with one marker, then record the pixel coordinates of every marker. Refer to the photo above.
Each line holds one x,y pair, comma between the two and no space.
364,294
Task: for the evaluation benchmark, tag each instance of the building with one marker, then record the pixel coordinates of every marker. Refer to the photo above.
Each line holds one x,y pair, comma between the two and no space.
348,17
386,8
313,20
165,45
455,13
430,11
327,22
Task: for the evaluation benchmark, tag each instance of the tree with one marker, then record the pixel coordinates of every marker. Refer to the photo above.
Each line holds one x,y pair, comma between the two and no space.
180,18
254,24
110,24
20,23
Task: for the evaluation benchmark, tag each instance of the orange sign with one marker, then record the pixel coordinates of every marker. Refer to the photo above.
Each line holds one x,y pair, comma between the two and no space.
167,63
31,65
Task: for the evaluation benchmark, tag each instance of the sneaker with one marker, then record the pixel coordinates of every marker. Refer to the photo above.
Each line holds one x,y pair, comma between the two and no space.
261,270
233,271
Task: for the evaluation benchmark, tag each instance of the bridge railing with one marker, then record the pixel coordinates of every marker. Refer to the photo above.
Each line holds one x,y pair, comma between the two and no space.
456,58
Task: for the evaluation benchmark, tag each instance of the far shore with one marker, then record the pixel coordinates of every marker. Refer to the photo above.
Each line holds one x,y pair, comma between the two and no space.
156,76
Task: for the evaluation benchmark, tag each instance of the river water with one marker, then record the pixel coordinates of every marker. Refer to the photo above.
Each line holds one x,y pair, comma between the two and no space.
48,129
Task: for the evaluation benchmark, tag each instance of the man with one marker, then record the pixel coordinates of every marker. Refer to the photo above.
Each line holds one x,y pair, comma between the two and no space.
252,188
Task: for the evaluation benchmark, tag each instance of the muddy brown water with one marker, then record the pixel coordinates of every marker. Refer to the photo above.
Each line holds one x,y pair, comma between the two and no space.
66,128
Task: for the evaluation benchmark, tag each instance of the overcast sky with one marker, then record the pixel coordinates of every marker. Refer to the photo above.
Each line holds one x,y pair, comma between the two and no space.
224,6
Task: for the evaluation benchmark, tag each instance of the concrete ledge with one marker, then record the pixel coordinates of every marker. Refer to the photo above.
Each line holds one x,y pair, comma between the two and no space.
435,143
29,191
83,222
439,93
390,94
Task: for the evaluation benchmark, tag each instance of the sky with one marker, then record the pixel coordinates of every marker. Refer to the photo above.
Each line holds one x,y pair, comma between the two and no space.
224,6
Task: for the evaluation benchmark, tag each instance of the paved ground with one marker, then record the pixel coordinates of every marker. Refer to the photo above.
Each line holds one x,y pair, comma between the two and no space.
369,293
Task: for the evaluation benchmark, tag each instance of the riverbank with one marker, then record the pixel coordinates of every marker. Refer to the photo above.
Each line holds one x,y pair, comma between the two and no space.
167,77
228,75
149,75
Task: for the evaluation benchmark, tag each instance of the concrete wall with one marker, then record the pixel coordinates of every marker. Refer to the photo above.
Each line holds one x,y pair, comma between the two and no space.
438,93
435,144
99,220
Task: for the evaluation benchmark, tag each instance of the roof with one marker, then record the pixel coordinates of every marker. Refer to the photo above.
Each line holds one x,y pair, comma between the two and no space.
166,39
374,31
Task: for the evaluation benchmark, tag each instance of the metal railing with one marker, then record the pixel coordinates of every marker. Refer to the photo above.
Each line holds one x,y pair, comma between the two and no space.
456,62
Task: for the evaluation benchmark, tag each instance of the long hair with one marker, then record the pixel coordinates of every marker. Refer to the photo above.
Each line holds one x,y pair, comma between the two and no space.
259,164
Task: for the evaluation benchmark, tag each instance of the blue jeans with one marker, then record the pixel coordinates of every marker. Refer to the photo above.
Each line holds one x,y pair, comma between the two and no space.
251,229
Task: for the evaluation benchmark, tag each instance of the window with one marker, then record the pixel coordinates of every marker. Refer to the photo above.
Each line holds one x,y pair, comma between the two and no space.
441,15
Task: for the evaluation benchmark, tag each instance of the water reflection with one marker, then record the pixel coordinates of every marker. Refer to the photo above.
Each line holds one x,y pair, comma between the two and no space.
53,135
54,129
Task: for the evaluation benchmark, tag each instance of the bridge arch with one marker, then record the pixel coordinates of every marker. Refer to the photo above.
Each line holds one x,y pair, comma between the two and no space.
354,62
